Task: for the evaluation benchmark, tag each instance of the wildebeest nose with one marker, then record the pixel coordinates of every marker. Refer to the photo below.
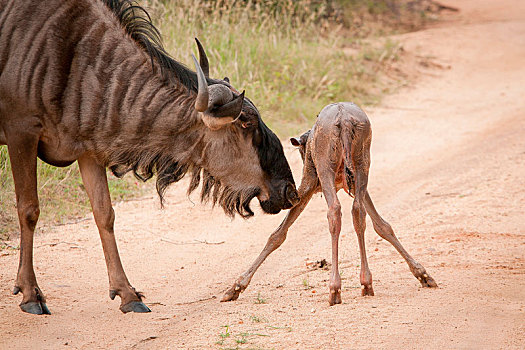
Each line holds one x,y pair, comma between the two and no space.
291,194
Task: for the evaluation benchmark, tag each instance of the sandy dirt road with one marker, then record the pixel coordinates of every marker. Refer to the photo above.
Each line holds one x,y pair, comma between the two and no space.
448,172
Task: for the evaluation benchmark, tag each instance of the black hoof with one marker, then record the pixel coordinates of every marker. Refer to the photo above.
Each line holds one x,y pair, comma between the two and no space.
134,306
35,308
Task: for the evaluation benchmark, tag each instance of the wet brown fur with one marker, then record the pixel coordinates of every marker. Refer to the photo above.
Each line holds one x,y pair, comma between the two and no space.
336,154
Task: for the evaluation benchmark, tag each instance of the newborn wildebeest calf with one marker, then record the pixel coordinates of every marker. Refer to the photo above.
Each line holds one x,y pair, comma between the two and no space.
336,154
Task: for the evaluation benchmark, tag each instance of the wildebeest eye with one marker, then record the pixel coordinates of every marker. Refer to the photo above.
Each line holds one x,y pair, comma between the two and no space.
246,125
246,121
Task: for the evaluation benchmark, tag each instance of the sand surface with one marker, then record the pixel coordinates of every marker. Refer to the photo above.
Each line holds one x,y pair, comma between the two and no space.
448,173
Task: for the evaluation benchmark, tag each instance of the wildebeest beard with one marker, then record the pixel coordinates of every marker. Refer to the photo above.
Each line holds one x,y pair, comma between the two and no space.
144,166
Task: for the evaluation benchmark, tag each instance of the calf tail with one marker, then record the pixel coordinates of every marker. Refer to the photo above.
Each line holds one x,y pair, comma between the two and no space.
346,138
356,137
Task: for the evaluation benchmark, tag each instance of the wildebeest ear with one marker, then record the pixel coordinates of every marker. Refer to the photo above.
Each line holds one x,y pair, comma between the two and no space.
226,79
295,141
230,109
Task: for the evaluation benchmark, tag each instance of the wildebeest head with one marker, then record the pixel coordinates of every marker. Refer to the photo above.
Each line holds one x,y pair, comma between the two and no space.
242,158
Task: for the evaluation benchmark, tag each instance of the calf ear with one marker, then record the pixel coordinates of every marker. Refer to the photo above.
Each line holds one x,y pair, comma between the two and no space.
295,141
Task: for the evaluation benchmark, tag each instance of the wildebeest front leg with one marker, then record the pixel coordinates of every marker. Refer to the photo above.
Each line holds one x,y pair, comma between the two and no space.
22,153
384,230
306,190
95,181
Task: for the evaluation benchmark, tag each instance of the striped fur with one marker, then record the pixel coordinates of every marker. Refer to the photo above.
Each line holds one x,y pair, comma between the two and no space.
92,77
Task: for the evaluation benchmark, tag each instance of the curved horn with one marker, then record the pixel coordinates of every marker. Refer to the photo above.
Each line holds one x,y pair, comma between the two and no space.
203,59
201,103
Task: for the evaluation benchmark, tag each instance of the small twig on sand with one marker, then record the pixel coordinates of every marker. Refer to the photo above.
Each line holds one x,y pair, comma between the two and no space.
57,243
197,301
445,7
143,341
72,222
195,241
156,303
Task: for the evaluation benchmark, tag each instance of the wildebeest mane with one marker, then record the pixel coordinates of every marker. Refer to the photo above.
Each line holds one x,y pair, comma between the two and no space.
145,164
137,23
269,159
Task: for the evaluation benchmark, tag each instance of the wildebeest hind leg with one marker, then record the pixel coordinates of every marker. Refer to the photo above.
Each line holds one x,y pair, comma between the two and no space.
95,181
384,230
22,148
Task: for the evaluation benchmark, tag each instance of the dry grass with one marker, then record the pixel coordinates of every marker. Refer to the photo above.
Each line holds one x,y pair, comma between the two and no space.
291,62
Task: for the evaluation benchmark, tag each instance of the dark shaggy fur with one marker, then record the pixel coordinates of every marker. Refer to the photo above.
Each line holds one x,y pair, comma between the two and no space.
137,23
270,160
169,171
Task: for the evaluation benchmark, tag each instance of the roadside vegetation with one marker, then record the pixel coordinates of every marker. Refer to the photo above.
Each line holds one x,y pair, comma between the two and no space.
291,57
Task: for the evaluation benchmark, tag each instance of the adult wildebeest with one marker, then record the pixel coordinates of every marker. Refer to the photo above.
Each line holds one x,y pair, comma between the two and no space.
336,154
89,80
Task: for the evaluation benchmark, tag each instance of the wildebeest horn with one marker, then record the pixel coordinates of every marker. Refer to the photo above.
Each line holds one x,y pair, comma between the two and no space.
201,103
216,102
203,60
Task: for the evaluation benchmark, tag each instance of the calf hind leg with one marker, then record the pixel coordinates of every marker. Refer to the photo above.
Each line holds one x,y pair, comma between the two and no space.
359,218
95,181
327,179
384,230
22,153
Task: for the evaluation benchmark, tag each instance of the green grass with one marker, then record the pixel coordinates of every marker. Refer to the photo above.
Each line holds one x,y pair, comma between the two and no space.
259,299
224,335
228,337
257,319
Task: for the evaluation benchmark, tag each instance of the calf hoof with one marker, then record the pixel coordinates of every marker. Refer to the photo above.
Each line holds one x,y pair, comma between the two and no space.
427,281
35,308
335,297
135,306
232,293
367,290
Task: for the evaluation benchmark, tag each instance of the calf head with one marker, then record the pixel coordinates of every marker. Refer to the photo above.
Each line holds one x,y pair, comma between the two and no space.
300,142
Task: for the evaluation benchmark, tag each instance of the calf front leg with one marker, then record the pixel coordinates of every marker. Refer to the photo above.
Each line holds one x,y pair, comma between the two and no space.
306,190
95,181
384,230
22,150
